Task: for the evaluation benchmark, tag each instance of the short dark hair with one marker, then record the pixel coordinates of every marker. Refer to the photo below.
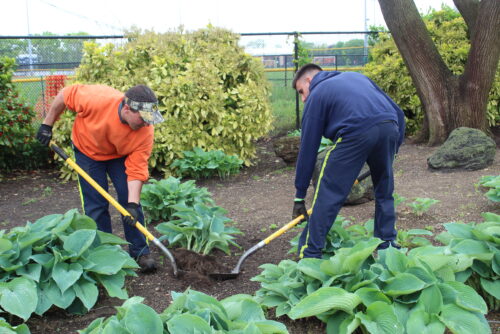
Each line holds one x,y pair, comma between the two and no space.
141,93
306,69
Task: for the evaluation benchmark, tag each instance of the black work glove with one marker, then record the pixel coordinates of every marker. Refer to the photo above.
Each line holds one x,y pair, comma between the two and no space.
44,134
299,208
133,209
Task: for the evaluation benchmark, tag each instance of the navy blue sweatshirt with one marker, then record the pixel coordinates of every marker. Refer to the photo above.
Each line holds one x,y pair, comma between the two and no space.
340,104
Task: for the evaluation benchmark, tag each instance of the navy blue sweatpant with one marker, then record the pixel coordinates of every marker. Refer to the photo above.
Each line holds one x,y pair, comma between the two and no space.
97,207
342,165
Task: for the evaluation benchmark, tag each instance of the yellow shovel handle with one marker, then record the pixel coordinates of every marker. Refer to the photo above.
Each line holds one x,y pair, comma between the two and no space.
103,192
285,228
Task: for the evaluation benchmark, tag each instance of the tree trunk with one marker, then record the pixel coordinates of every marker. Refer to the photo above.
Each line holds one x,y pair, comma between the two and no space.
449,101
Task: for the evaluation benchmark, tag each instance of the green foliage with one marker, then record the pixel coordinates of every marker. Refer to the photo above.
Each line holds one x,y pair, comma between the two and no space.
158,198
190,312
392,293
199,164
6,328
398,199
421,205
199,228
18,146
345,234
449,33
60,260
211,93
492,183
476,248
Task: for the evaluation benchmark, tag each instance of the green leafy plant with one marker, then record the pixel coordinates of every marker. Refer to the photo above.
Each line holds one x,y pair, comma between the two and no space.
421,205
477,250
206,102
398,200
18,146
158,198
413,238
60,260
392,293
199,164
189,312
200,228
492,183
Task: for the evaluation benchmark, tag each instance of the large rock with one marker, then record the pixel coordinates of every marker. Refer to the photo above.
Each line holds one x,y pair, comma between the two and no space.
465,148
287,148
361,192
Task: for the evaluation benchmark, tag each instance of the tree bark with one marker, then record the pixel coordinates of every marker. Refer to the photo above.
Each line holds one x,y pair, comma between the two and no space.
449,101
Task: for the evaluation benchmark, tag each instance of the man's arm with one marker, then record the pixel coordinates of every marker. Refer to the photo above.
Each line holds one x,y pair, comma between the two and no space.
134,191
56,109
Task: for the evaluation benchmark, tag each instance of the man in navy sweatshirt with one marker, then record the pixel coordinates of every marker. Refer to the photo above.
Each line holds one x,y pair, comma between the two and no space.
365,125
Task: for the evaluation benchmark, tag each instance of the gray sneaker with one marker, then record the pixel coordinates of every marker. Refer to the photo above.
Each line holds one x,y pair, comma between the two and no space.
147,263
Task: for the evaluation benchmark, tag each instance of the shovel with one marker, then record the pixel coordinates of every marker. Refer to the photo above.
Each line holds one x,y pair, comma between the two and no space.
117,205
236,271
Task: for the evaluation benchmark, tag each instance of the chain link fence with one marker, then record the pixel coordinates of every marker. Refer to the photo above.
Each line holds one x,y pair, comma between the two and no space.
43,62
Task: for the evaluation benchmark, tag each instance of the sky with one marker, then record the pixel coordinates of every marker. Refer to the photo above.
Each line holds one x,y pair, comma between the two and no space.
113,17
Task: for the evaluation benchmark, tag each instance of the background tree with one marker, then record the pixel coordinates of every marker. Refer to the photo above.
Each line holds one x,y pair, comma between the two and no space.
449,100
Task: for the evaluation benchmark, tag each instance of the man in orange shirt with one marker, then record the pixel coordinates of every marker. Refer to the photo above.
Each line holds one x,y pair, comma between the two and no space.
111,137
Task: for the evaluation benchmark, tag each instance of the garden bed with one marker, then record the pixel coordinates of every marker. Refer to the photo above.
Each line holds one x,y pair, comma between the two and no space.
257,198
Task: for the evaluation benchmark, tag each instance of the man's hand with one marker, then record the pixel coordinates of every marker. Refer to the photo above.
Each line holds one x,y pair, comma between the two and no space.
133,209
299,208
44,134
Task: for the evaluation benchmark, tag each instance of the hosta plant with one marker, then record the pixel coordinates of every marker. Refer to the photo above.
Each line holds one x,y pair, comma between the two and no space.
492,183
477,248
199,164
200,228
391,293
190,312
158,198
344,233
60,260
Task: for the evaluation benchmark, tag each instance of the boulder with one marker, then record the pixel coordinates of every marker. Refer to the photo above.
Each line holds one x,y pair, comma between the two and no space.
465,148
287,148
361,192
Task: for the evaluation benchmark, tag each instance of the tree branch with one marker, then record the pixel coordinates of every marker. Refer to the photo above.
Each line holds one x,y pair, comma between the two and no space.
468,9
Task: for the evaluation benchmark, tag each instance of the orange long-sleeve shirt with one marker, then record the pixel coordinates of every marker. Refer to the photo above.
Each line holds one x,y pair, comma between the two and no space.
99,134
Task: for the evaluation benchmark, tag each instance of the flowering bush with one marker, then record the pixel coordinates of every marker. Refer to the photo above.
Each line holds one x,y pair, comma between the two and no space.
18,146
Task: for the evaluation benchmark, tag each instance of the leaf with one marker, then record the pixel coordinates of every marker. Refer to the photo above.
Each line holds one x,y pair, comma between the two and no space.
491,287
79,241
468,298
380,318
54,295
114,284
141,318
420,322
108,259
87,292
325,299
462,321
19,297
403,284
431,300
66,274
188,323
371,295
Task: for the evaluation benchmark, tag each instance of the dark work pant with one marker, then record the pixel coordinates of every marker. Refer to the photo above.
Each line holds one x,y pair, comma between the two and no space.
97,207
342,164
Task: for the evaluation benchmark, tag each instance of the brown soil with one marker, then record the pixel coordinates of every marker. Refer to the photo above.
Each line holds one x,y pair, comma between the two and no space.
256,199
